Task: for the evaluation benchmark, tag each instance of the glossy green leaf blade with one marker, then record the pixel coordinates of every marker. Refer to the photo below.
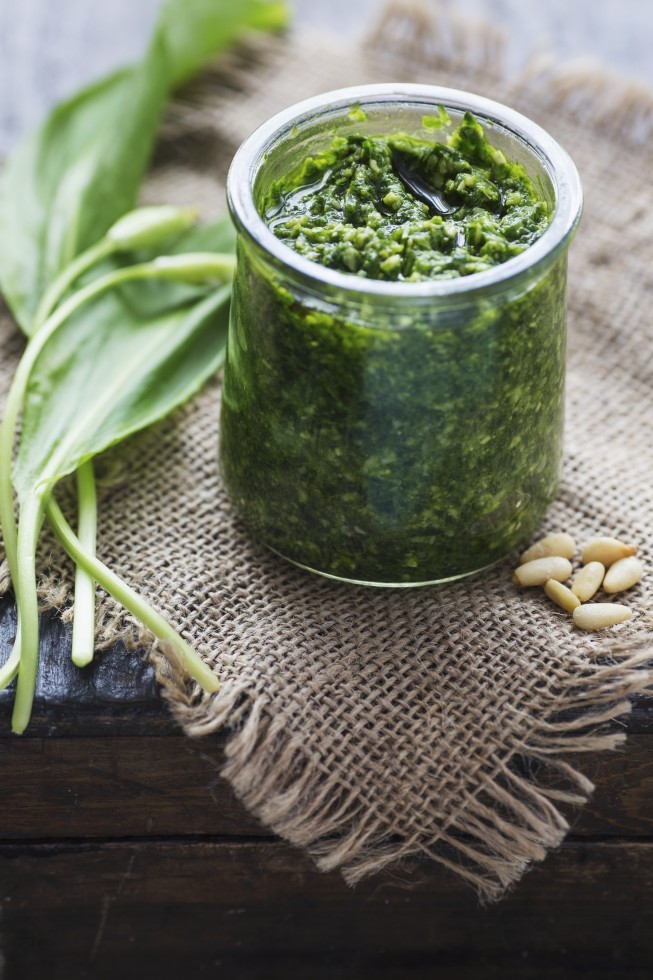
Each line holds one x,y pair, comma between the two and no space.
194,32
68,182
106,374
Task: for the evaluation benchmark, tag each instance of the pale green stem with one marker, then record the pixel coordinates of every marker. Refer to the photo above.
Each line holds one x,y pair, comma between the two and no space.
57,289
130,599
31,516
84,606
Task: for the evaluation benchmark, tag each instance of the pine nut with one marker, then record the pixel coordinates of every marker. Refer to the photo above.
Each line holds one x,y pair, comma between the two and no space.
598,615
588,580
623,575
561,595
540,570
607,551
562,545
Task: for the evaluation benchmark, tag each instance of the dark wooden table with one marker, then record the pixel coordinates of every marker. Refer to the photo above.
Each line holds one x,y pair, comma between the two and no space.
123,854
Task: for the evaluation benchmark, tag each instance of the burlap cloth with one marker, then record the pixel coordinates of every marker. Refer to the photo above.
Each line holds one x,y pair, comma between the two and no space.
368,725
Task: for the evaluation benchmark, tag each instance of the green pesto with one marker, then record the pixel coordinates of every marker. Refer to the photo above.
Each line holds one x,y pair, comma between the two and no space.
396,450
346,208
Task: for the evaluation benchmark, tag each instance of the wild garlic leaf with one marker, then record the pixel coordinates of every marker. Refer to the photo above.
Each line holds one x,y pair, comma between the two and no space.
73,177
106,374
149,345
195,31
67,184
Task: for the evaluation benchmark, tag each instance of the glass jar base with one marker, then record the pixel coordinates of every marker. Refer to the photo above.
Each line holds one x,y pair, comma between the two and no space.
388,585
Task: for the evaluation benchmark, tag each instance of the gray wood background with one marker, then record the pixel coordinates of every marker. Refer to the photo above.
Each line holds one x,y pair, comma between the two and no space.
48,48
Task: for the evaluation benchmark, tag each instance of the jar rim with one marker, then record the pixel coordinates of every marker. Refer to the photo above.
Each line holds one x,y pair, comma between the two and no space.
562,172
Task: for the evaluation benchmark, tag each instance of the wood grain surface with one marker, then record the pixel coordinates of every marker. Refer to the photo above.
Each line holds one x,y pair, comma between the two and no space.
153,786
258,909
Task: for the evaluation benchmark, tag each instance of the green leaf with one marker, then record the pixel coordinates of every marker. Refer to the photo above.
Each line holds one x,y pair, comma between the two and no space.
122,362
68,183
195,31
219,236
96,374
104,375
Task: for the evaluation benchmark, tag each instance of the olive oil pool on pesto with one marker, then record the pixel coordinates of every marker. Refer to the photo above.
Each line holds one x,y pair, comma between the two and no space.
402,444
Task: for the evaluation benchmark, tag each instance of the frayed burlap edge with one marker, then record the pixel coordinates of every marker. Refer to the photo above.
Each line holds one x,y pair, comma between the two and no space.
494,836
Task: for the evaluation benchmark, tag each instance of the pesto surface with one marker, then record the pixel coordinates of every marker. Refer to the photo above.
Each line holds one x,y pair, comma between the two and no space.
349,209
395,449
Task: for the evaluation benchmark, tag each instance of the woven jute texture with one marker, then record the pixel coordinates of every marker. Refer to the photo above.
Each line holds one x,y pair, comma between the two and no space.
369,725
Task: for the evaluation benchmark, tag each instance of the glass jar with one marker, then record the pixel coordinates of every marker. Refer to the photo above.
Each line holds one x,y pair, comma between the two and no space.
393,433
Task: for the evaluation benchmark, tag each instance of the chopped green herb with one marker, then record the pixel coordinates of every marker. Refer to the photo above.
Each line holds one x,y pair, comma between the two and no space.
357,114
320,209
437,122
